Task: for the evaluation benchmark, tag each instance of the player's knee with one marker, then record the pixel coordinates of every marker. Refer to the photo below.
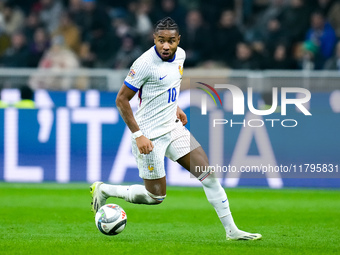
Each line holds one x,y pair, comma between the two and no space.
155,198
210,181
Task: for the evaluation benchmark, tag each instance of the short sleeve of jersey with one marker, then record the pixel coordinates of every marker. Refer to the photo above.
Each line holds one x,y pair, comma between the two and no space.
138,75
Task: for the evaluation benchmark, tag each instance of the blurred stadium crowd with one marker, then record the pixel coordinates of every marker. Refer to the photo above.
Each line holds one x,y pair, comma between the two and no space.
240,34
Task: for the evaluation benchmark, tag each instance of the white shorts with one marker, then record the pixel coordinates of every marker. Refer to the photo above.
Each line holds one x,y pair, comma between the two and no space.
174,145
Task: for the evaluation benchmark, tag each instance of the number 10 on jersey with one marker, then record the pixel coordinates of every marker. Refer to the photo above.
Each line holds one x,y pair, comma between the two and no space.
172,95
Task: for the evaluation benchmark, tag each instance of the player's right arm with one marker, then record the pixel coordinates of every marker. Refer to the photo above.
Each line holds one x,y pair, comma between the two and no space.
124,96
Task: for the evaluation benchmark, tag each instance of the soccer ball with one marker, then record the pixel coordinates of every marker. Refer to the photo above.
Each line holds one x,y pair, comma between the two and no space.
111,219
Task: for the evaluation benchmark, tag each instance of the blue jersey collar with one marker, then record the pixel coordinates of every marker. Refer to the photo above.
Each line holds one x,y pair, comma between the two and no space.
170,60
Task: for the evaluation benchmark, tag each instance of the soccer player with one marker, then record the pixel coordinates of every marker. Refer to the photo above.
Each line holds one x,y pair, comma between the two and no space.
158,130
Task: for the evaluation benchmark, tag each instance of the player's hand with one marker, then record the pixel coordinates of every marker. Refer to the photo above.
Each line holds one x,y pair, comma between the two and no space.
182,116
144,145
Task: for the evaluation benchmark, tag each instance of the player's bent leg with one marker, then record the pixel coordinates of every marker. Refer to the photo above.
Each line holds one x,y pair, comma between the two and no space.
215,193
156,186
197,157
218,199
152,193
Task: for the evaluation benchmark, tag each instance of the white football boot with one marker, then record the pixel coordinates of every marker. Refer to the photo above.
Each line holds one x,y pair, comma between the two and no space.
98,198
242,235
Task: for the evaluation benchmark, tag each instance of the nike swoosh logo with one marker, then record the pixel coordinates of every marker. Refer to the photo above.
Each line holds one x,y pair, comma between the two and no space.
161,78
224,200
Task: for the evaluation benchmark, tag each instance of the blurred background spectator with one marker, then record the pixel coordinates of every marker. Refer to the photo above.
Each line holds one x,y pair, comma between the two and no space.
13,18
280,59
322,35
171,8
17,55
50,12
98,39
32,23
39,45
284,34
295,20
227,36
69,31
334,17
196,48
334,62
5,42
245,58
127,53
57,59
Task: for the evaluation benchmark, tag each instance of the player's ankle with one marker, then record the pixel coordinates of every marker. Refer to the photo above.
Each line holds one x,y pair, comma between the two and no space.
232,232
106,190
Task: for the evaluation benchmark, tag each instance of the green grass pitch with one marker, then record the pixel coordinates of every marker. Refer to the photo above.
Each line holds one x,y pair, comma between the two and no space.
56,219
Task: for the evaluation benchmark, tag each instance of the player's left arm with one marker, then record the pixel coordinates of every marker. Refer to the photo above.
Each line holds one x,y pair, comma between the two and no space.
181,116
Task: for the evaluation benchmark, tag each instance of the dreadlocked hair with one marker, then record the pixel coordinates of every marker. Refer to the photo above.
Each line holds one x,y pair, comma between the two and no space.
166,24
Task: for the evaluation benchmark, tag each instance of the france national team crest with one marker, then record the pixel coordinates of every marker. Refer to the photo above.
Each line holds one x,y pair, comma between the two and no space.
180,69
132,73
